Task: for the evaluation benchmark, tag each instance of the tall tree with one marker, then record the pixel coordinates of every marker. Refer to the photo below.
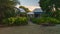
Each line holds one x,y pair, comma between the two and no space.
6,7
49,6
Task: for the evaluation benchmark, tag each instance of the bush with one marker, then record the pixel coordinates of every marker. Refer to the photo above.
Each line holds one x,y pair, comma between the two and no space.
21,21
45,20
53,20
15,21
8,21
38,20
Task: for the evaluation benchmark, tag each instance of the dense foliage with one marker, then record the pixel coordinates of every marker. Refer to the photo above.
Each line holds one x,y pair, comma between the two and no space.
50,7
7,8
45,20
15,21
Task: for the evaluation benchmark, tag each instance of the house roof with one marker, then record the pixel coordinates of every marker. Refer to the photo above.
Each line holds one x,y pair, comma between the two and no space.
37,10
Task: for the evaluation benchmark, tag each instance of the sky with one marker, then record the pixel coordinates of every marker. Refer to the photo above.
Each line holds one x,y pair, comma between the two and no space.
31,4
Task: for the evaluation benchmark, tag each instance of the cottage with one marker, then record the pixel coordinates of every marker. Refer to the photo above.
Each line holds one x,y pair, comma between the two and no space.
37,12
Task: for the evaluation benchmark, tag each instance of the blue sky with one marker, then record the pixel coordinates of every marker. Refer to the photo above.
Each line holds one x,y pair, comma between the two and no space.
31,4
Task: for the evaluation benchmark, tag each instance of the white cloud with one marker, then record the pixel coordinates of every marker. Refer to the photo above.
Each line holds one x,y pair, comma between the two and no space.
32,7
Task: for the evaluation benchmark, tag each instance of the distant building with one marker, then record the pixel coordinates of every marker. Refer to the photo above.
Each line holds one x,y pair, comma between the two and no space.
30,14
37,12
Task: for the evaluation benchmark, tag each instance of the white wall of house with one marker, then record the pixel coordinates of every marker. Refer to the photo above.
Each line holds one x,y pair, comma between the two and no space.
22,10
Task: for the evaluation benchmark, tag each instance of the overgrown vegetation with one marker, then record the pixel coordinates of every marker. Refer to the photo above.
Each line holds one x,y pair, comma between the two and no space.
45,20
7,8
15,21
10,15
51,12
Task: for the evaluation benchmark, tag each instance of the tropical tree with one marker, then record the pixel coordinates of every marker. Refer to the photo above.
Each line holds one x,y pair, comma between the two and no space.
26,9
7,8
50,7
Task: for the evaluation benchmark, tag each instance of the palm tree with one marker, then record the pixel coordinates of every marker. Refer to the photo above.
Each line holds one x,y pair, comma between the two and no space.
6,7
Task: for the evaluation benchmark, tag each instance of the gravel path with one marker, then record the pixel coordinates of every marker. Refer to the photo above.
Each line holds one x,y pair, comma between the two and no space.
30,29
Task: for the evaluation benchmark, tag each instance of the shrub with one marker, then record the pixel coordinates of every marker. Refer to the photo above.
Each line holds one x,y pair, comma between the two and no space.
53,20
38,20
45,20
8,21
21,21
15,21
